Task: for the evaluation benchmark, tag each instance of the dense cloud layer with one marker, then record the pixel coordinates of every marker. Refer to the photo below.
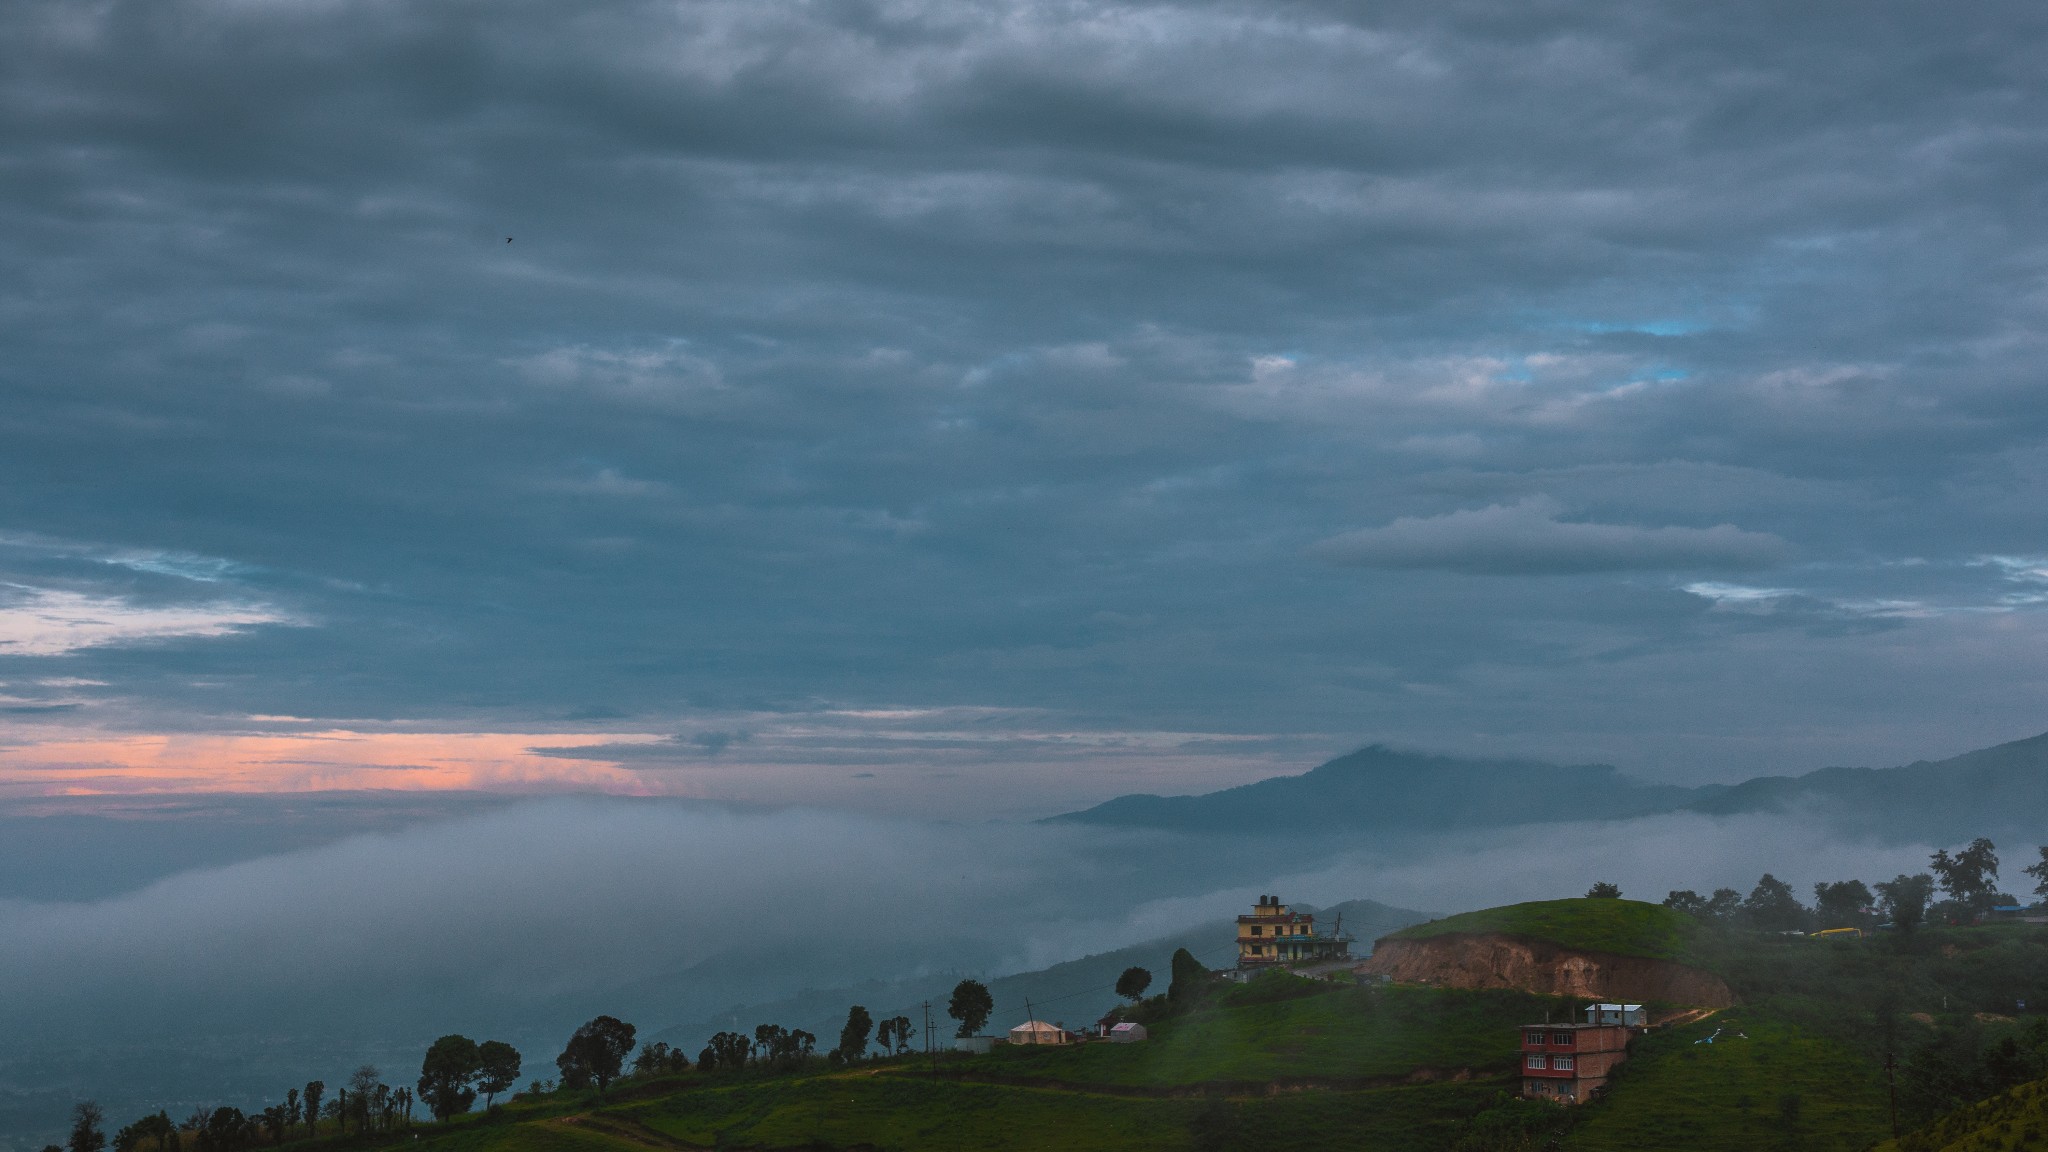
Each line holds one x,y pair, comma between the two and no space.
884,356
1527,538
231,984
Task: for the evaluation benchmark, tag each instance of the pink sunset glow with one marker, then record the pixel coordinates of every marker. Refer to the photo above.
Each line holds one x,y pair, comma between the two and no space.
312,761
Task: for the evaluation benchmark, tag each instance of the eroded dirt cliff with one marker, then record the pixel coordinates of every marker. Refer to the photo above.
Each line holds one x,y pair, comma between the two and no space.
1494,961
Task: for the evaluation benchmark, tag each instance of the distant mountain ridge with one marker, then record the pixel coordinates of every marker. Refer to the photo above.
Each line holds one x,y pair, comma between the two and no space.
1380,789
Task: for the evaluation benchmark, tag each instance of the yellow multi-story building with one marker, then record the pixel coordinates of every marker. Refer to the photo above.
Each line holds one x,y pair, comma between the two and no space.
1275,934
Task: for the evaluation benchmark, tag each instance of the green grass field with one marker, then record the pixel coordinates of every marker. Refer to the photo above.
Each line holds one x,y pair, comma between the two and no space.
1285,1063
1620,927
2015,1120
1260,1067
1344,1034
1762,1084
899,1108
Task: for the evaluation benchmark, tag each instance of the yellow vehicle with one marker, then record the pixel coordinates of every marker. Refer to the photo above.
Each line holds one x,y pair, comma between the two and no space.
1839,933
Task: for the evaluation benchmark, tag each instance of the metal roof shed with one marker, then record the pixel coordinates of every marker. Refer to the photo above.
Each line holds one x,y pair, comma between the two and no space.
1038,1032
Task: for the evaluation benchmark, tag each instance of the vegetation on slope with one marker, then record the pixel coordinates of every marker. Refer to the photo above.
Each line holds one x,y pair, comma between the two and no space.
1291,1062
2012,1120
1620,927
1762,1083
1261,1033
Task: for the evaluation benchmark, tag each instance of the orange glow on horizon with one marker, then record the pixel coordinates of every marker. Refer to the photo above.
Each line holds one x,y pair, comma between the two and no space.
336,760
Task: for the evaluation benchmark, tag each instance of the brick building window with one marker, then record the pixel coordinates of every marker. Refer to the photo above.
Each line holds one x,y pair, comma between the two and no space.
1562,1038
1560,1061
1538,1061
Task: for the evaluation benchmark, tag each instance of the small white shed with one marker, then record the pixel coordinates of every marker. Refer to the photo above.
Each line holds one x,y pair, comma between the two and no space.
978,1045
1630,1014
1038,1032
1126,1033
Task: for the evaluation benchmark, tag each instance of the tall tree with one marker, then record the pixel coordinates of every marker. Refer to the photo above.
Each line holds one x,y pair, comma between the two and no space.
1771,906
2039,871
596,1053
1903,899
853,1037
291,1108
768,1041
726,1050
497,1069
971,1005
87,1135
900,1029
314,1089
448,1075
1604,891
1189,977
1841,904
1723,905
653,1059
1132,984
1970,877
157,1127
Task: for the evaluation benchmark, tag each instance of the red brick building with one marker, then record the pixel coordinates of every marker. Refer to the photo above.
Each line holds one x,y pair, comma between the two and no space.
1569,1062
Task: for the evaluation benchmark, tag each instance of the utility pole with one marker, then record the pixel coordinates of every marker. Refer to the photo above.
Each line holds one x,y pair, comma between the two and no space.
931,1058
1892,1089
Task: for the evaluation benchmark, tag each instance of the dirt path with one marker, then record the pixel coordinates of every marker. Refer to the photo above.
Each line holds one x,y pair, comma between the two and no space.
631,1131
1689,1016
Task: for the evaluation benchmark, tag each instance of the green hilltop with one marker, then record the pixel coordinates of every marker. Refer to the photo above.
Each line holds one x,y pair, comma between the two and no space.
1288,1062
1619,927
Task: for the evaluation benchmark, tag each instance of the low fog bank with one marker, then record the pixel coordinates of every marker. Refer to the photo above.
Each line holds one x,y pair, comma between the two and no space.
90,848
228,985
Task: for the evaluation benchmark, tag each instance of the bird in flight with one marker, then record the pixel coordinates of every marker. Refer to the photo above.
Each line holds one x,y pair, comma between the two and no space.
508,239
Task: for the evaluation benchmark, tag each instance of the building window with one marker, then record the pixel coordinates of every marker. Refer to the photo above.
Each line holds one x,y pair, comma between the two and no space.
1538,1061
1560,1061
1562,1039
1535,1038
1255,930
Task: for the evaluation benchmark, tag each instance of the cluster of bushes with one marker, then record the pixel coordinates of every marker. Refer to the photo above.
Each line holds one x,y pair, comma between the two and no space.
1968,878
1963,1064
364,1104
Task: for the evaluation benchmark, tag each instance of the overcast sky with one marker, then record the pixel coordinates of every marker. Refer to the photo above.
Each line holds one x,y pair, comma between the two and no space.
989,408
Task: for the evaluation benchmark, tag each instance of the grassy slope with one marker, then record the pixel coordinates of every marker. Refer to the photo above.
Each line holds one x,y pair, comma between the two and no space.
1345,1034
1810,1011
1763,1083
2017,1119
1170,1093
1622,927
899,1109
